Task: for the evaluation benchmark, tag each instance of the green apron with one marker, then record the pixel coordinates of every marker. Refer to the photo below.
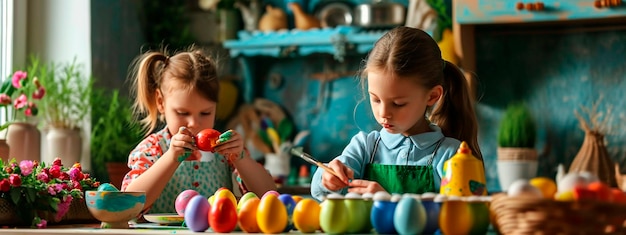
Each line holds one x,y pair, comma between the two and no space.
402,179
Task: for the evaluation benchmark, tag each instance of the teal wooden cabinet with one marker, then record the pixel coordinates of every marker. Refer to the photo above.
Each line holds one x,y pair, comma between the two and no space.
508,11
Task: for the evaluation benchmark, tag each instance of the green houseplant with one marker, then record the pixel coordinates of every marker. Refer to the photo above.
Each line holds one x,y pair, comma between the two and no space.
64,108
517,128
113,134
517,157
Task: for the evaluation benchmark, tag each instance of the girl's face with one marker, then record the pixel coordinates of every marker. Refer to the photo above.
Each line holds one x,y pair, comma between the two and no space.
182,107
399,104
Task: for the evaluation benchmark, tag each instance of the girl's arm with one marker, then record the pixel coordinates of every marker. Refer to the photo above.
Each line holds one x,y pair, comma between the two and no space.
253,174
153,180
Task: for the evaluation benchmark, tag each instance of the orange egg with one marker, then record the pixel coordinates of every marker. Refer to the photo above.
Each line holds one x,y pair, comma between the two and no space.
306,216
271,215
247,216
297,198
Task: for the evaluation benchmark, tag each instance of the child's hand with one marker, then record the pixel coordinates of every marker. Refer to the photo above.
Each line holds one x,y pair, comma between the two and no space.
230,144
182,144
364,186
335,183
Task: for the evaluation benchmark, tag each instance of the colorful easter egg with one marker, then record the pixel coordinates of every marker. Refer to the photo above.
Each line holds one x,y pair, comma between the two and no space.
480,214
290,204
306,216
271,214
197,213
247,215
334,215
183,199
273,192
382,213
455,216
223,215
358,214
206,139
432,212
246,196
409,216
226,193
107,187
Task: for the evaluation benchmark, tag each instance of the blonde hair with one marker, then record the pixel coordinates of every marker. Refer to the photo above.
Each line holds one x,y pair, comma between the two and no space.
156,70
411,53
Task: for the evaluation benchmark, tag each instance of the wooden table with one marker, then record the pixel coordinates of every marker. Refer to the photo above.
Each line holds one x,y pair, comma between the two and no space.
95,229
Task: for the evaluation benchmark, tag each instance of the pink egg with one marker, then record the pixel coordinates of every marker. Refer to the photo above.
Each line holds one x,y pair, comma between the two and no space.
182,199
271,192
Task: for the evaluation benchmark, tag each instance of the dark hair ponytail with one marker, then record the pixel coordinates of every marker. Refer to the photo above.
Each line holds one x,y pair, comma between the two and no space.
454,112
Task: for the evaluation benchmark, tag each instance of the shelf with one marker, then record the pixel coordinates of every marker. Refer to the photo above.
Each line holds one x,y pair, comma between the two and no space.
338,41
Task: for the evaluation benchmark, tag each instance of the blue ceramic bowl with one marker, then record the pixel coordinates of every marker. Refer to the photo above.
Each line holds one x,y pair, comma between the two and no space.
114,208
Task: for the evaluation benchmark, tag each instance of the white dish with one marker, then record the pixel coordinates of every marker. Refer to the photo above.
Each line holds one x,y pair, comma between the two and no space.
165,218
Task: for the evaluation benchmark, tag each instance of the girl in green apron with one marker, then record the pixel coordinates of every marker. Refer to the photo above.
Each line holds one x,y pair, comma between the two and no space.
182,91
424,106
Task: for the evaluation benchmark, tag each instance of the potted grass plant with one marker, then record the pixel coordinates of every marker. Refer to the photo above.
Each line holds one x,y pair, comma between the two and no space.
113,135
517,156
64,109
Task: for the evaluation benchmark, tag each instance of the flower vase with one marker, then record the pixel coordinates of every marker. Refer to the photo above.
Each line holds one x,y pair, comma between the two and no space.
24,141
65,144
4,150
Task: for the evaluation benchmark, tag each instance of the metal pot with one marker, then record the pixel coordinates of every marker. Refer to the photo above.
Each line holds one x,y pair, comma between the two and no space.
379,14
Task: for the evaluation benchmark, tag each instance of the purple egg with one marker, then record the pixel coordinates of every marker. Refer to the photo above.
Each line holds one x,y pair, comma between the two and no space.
197,214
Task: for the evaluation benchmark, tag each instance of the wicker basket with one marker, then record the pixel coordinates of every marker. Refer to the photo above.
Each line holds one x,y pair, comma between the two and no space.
78,213
519,215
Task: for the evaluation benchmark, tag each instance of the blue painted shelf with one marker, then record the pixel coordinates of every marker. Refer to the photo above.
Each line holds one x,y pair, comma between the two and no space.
337,41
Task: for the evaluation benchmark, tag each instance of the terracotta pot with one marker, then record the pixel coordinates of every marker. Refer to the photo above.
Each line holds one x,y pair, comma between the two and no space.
65,144
4,150
24,140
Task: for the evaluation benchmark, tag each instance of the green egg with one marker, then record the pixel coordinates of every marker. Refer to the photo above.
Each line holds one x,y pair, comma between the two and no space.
107,187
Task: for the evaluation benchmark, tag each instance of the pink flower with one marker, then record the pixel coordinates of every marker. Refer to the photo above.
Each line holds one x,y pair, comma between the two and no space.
64,176
76,185
18,77
76,174
5,186
20,102
57,162
55,171
15,180
63,207
5,99
39,93
43,177
42,224
26,166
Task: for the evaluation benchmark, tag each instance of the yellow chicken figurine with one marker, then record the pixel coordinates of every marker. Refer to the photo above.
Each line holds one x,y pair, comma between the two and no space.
302,20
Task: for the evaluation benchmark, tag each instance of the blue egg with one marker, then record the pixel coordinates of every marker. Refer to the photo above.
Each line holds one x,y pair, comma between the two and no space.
290,204
382,217
432,216
409,216
107,187
197,214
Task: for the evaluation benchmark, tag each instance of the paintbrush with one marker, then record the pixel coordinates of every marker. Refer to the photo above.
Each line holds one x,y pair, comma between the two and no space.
308,158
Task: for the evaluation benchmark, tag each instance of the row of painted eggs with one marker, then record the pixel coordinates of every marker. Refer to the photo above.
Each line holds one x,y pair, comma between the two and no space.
337,214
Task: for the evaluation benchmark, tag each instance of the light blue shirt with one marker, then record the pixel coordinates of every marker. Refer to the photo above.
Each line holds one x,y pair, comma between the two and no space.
393,149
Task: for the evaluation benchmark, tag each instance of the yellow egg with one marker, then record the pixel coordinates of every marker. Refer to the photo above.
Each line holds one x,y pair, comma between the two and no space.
306,216
226,193
546,185
271,214
566,196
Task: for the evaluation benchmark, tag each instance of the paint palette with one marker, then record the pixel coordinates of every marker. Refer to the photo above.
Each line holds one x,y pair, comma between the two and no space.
165,219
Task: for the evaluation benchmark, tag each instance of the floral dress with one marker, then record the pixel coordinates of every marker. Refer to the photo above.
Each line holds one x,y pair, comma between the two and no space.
205,176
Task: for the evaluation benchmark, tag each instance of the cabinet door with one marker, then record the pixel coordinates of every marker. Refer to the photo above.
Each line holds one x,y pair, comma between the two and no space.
506,11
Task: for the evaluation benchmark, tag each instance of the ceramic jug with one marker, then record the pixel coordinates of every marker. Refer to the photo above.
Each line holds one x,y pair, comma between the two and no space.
464,174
